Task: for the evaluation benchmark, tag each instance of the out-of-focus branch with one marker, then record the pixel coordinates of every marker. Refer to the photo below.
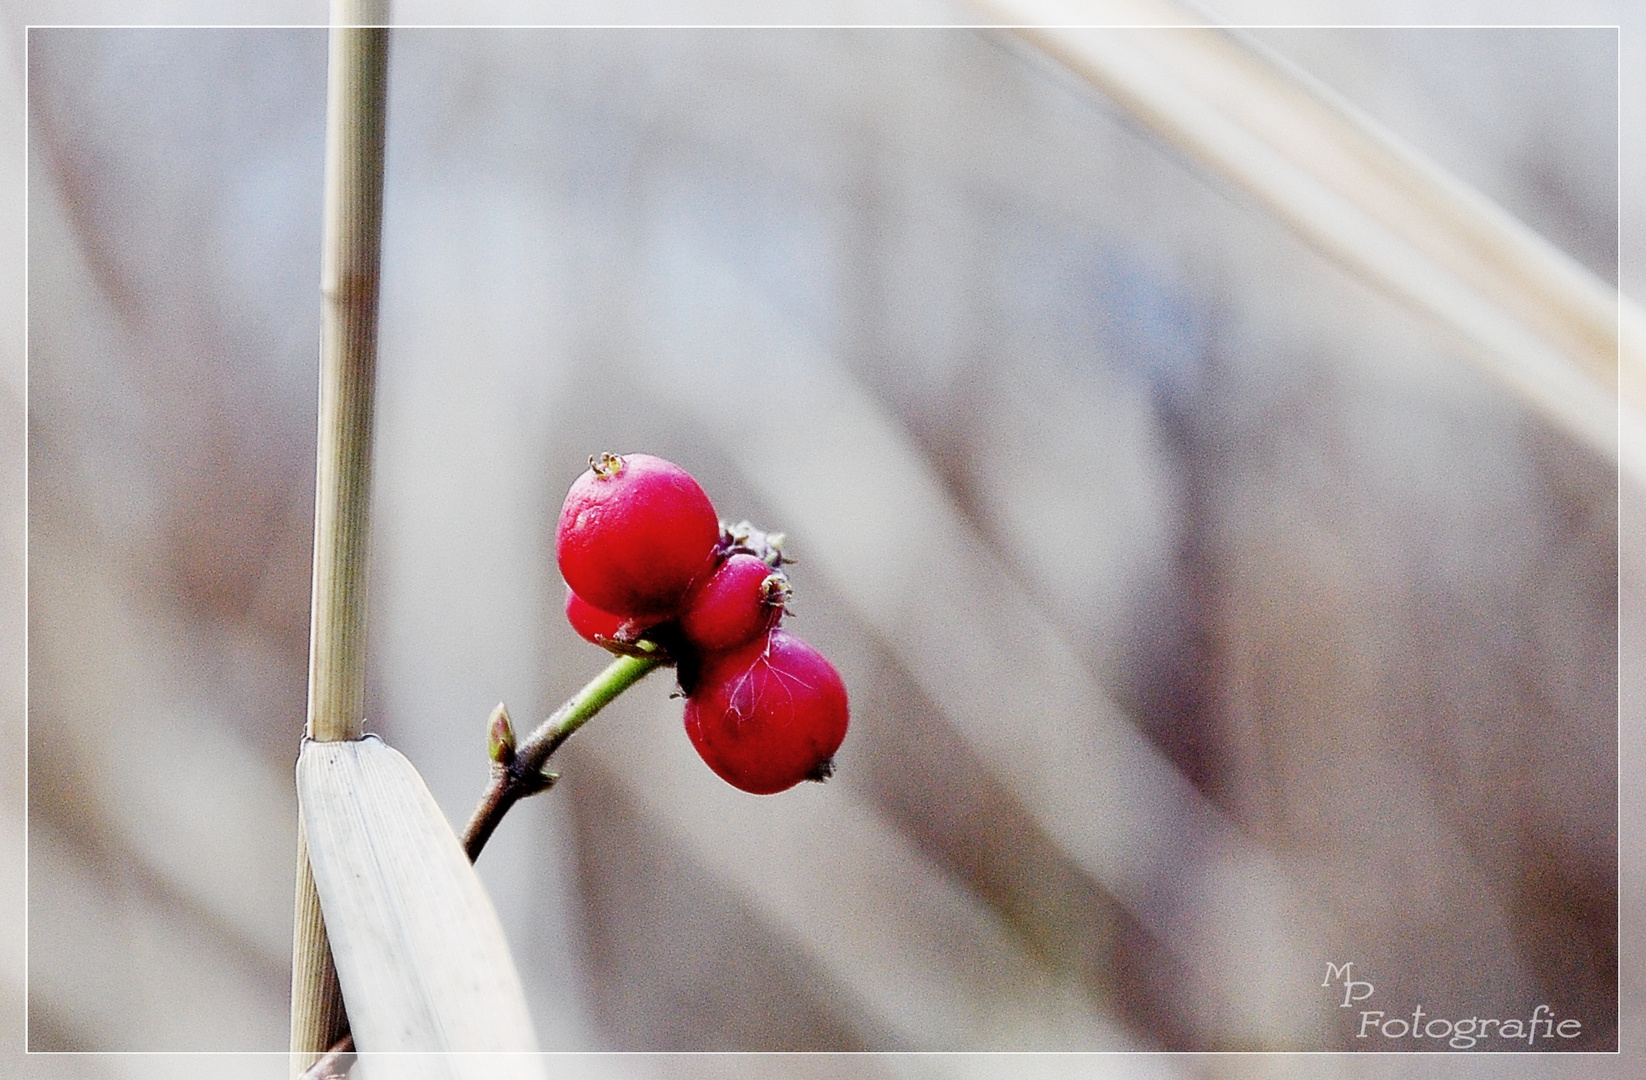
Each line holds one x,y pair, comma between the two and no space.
1561,338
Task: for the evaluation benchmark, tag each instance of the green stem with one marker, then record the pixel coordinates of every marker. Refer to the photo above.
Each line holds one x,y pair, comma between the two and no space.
522,774
600,691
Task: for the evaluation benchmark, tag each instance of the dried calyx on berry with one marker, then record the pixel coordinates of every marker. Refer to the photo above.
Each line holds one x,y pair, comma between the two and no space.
744,537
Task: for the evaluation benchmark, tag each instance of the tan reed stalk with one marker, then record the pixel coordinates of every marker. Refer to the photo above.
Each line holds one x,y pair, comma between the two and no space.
353,214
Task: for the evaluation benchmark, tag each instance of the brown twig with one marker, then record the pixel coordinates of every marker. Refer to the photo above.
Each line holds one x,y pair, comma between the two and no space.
335,1063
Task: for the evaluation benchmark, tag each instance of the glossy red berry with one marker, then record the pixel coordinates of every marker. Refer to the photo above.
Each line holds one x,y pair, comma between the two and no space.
602,627
742,599
768,714
635,532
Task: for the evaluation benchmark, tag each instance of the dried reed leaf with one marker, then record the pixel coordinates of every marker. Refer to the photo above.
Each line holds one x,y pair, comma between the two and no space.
420,953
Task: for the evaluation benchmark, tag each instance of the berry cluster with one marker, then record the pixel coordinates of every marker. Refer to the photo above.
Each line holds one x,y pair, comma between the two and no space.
649,566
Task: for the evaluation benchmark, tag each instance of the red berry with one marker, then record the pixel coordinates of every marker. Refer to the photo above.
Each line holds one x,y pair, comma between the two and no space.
602,627
742,599
768,714
634,533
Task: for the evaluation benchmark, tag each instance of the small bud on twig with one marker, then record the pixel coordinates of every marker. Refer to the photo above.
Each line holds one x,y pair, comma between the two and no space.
500,736
520,772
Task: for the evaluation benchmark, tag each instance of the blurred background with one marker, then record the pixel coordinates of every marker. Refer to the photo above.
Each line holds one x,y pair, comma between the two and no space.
1208,616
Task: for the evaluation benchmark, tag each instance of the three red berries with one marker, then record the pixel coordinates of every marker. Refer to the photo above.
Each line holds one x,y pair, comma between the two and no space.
649,565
